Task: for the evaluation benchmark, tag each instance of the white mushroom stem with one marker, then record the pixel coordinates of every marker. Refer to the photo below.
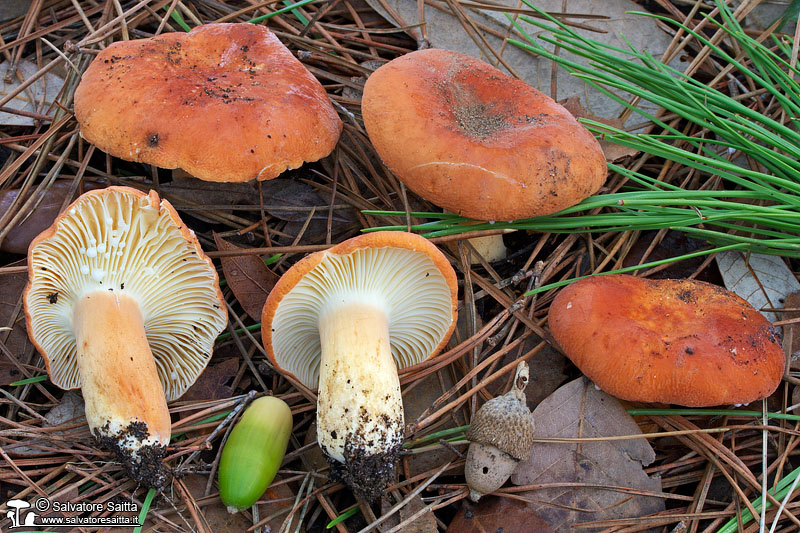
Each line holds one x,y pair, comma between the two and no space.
490,247
119,380
359,407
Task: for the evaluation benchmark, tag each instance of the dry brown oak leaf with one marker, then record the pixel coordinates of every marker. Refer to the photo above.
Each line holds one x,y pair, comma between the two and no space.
578,409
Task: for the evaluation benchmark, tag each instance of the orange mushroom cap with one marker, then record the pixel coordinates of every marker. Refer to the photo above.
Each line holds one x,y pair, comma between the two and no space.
465,136
225,102
684,342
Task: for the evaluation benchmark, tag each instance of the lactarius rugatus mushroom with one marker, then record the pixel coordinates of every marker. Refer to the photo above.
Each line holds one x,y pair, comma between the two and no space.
485,145
122,302
500,435
345,320
225,102
671,341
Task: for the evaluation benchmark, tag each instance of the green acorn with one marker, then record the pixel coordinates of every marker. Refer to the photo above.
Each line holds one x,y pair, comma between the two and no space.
254,452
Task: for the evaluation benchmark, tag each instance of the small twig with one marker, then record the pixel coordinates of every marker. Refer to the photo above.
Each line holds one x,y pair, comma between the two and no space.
191,505
408,521
245,400
60,53
405,500
451,448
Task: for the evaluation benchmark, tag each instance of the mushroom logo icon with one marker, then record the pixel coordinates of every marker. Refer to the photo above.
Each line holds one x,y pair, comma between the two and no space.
14,507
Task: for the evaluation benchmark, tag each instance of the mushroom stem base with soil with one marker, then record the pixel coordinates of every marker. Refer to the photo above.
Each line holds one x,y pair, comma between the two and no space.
125,406
360,408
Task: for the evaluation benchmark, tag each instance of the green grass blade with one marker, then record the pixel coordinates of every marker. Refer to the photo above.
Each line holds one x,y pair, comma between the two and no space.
289,7
342,517
36,379
712,412
148,500
634,268
175,16
779,492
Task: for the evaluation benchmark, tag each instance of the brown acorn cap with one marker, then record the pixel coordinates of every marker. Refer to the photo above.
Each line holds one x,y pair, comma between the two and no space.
402,271
225,102
469,138
506,423
674,341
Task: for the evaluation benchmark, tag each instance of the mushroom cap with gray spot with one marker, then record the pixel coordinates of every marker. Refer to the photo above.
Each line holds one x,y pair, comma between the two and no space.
120,239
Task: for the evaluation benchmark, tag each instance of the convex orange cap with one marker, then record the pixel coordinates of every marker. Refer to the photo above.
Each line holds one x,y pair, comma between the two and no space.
672,341
225,102
465,136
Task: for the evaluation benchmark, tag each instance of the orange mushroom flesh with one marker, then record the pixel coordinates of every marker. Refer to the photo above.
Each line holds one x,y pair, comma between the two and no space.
111,348
122,302
344,320
225,102
485,145
683,342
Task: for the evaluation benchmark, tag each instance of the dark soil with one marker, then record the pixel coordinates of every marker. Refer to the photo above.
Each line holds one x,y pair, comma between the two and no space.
477,120
146,465
367,475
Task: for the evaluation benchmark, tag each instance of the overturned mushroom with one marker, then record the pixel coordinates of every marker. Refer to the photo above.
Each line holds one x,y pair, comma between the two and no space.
122,302
346,319
225,102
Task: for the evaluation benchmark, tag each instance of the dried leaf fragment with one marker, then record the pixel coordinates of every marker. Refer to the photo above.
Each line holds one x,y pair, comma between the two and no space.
762,280
577,409
211,385
494,514
248,277
791,332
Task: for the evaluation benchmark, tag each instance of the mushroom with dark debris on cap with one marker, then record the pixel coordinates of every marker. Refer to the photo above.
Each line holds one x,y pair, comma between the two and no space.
676,341
346,319
224,102
122,302
485,145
